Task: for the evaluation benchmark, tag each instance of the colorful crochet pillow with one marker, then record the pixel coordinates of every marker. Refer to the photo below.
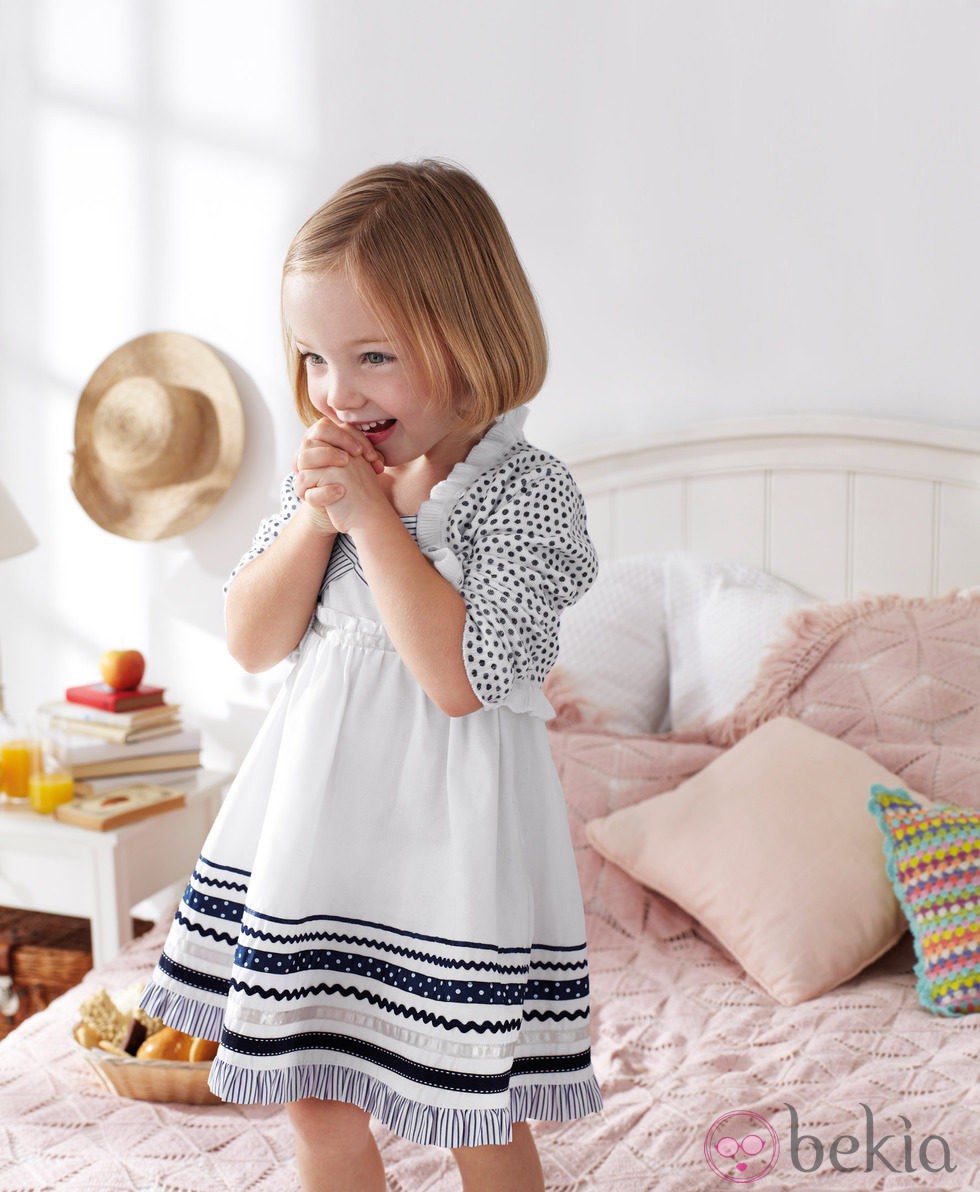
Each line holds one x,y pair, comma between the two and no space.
933,857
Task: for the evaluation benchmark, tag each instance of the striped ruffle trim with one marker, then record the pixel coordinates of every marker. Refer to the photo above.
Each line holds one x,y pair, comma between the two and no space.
200,1019
427,1125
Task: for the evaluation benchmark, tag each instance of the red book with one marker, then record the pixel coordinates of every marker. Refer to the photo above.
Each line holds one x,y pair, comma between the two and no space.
101,695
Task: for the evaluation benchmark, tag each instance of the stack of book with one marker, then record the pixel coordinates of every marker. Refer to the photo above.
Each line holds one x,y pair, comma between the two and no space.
97,732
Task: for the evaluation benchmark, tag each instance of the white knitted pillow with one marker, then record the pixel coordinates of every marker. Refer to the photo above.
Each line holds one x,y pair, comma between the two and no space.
720,618
612,648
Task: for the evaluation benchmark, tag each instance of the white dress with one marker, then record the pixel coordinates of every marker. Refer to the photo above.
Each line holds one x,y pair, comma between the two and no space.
386,910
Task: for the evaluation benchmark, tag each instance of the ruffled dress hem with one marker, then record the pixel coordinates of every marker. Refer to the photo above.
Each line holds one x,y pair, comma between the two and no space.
200,1019
428,1125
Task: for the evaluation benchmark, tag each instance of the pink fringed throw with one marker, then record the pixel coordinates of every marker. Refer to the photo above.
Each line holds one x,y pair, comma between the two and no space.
896,676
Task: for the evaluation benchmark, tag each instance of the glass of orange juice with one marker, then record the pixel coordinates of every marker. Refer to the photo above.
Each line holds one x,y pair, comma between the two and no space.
49,784
17,743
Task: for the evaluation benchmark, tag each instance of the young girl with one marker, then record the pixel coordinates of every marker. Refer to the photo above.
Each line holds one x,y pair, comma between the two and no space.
385,919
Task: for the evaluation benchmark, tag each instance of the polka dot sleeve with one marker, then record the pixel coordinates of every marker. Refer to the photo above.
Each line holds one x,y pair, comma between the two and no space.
269,529
520,535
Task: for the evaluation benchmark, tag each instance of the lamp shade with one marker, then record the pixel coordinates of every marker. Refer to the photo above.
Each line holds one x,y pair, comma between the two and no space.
16,536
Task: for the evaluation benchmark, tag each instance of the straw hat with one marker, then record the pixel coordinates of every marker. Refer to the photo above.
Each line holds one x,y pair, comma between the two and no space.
159,434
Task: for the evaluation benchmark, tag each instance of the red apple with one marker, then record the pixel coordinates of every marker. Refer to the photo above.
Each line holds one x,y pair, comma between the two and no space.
122,669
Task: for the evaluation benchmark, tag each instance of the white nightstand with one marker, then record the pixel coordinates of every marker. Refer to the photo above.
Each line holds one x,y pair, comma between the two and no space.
49,866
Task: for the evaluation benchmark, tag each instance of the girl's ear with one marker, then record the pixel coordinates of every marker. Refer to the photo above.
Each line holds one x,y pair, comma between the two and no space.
464,406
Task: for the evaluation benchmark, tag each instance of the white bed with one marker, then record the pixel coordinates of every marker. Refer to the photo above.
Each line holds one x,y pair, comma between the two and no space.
835,506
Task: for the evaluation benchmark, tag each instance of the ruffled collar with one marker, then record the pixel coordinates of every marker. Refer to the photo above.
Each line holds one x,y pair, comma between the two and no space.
433,516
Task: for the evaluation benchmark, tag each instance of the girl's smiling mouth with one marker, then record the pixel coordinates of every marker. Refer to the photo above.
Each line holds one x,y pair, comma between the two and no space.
376,432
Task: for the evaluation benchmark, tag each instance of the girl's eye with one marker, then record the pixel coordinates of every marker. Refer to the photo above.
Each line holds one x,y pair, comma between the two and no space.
312,358
376,358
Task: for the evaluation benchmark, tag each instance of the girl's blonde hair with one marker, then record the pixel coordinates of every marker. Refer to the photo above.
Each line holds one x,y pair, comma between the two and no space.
428,252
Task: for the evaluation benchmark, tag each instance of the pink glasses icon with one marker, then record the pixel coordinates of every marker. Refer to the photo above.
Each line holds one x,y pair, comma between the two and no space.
750,1145
741,1146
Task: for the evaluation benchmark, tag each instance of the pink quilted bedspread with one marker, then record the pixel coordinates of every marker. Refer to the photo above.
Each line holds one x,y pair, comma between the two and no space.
681,1037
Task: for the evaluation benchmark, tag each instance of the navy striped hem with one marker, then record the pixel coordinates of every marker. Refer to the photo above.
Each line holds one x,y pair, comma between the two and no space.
286,1046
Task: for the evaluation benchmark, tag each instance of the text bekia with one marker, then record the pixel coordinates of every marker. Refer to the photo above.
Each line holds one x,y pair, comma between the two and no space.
896,1152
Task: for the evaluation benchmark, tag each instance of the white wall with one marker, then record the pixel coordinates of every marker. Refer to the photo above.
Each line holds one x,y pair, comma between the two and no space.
727,207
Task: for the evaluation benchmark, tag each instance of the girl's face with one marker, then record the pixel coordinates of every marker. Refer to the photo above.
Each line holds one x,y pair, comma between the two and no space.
355,375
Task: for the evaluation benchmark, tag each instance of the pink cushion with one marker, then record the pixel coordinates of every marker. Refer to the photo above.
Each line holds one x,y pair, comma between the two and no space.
773,849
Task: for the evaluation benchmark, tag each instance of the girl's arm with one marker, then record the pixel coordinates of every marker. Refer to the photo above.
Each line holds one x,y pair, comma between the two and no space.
270,601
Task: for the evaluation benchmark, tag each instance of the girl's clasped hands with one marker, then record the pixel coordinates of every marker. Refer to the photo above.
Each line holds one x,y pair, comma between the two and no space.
336,470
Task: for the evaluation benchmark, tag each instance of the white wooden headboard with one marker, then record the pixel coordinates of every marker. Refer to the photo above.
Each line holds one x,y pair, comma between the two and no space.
837,505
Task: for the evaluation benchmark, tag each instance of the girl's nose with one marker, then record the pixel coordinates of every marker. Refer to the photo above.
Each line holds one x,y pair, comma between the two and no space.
342,395
346,397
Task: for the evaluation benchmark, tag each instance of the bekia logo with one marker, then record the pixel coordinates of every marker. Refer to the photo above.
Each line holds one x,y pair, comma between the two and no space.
894,1152
742,1147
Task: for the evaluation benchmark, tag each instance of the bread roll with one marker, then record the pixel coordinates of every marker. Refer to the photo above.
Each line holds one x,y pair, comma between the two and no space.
202,1050
166,1044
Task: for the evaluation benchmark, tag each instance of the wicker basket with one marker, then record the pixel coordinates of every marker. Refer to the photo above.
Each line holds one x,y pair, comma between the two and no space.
41,956
152,1080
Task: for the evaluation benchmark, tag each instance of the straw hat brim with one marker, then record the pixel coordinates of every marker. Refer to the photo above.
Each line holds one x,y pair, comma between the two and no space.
199,472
